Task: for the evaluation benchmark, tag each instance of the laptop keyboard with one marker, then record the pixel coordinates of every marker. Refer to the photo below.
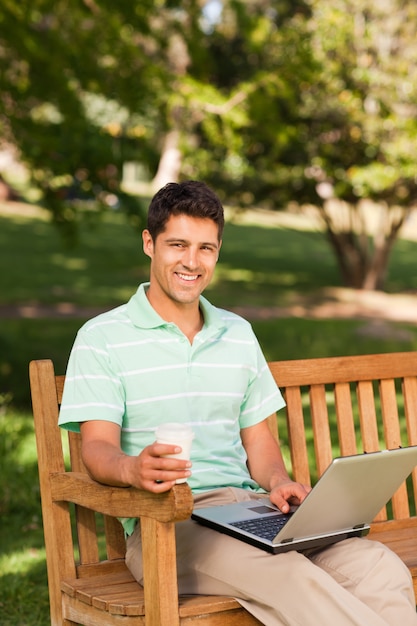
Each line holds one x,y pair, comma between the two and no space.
265,527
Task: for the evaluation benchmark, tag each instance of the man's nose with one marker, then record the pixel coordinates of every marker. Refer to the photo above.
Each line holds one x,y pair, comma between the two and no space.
190,258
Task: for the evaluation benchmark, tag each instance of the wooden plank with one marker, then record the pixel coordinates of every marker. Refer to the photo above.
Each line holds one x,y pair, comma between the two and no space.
101,569
120,596
200,605
59,385
331,370
85,518
367,416
395,525
115,540
56,517
345,420
122,599
83,586
238,617
87,535
389,410
160,573
390,418
81,613
77,463
321,428
409,387
368,423
173,505
296,436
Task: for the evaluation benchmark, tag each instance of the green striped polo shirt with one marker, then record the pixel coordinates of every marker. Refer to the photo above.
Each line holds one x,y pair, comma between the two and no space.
131,367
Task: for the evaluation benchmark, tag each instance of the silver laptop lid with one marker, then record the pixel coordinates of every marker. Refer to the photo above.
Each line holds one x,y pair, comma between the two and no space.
351,492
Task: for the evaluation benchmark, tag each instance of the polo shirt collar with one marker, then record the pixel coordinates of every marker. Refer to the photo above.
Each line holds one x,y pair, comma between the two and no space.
140,310
142,314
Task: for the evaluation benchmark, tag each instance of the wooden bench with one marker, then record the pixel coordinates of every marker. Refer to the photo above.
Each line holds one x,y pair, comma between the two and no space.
335,406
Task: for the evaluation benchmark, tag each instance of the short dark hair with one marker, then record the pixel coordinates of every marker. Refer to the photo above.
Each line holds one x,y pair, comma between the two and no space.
191,197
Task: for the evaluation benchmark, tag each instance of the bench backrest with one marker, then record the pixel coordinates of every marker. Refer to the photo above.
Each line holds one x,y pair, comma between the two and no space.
344,405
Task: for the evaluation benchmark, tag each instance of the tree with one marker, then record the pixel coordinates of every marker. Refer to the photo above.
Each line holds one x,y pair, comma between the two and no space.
81,93
91,87
324,114
365,134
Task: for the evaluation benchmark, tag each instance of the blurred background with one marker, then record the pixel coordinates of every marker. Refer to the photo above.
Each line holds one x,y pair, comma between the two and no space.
301,114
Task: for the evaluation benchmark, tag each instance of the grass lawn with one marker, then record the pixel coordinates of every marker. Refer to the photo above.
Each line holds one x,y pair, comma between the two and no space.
259,266
23,586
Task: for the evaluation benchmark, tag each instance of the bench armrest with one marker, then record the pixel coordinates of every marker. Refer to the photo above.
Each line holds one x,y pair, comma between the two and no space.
172,506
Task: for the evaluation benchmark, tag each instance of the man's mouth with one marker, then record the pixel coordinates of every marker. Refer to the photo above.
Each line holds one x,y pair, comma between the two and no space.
188,277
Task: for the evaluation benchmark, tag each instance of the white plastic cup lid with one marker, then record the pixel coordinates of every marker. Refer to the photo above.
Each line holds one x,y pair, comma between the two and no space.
174,431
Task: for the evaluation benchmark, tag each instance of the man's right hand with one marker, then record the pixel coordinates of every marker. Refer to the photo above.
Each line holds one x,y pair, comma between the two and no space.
155,472
108,464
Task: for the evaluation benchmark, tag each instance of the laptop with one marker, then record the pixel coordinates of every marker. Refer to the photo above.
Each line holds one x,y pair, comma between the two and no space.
342,504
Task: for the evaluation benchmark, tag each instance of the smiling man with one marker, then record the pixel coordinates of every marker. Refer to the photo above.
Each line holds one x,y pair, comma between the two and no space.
169,355
183,259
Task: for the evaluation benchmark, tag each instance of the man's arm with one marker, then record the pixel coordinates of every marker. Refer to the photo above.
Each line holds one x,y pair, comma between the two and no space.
267,467
108,464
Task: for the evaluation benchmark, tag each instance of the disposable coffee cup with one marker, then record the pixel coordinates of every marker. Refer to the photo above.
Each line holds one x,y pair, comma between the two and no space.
176,434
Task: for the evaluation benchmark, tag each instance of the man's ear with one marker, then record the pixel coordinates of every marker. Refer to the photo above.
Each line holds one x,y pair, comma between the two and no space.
218,251
147,243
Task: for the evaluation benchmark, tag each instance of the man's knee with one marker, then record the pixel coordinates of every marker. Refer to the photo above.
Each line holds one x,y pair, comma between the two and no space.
354,560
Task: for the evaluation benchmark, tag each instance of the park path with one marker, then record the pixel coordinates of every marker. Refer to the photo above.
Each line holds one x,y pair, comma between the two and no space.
330,303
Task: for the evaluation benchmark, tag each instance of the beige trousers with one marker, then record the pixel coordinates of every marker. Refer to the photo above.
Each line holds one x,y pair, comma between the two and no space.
354,582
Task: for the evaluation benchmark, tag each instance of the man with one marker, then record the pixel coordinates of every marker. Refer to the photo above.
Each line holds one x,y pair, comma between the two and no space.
169,355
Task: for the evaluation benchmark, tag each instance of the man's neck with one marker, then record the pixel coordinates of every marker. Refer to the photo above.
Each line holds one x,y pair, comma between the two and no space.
188,318
191,327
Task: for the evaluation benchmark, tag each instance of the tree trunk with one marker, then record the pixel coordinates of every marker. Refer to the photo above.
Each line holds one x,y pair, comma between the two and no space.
170,162
351,258
362,255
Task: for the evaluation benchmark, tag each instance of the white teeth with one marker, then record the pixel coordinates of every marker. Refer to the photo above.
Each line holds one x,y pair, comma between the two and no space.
187,277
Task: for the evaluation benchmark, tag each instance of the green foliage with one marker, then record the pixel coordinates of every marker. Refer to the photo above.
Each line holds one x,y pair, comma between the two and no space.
274,102
371,89
75,95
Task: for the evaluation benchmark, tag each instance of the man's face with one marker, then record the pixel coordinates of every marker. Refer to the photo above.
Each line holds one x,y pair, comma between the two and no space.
183,259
